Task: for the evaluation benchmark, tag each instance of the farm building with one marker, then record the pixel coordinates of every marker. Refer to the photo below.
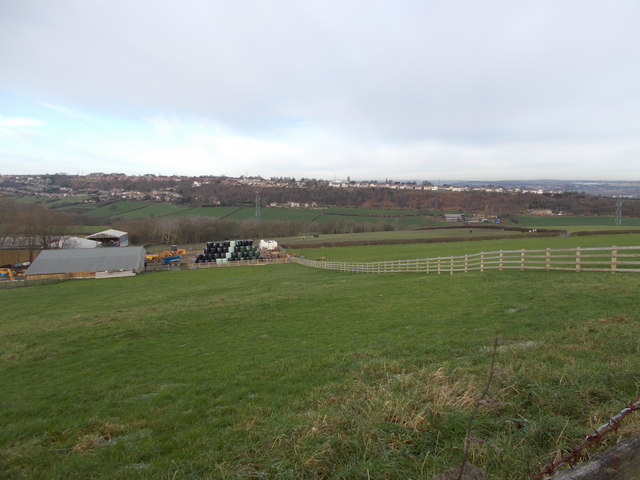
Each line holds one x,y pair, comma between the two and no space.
87,263
454,217
111,238
75,242
12,256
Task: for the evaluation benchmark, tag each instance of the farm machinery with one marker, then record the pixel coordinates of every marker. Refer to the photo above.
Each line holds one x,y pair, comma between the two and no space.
7,274
167,257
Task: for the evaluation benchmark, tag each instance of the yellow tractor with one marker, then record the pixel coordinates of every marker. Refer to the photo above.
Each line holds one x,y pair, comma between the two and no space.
168,256
6,274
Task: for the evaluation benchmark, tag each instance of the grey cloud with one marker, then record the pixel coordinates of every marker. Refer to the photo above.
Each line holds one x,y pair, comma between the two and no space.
456,71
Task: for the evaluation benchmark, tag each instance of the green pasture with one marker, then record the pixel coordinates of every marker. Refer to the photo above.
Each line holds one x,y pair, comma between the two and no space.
29,199
398,222
433,250
598,228
65,202
287,372
400,235
119,208
214,212
398,218
377,212
286,214
561,221
154,210
81,208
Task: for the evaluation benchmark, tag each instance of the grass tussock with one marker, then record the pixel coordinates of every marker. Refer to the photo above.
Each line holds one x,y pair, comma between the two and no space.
103,435
387,411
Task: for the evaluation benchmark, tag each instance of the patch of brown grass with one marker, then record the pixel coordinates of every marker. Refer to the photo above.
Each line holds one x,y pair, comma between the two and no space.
615,319
104,435
386,409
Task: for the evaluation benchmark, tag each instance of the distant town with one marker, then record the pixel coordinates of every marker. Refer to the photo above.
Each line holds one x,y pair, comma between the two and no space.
100,187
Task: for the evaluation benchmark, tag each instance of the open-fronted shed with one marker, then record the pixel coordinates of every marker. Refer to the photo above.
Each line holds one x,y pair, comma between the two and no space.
111,238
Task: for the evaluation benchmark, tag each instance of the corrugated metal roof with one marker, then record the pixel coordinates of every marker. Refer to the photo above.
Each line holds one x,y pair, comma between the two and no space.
108,234
87,260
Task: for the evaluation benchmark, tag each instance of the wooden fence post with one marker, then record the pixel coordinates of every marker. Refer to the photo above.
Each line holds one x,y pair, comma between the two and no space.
466,263
577,259
482,261
451,266
614,260
548,259
522,259
439,266
501,260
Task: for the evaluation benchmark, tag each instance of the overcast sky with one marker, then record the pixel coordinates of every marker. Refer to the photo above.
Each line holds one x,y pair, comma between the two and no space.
425,89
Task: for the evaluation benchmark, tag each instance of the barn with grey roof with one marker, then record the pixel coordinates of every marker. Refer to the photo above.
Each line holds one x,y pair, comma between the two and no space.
87,263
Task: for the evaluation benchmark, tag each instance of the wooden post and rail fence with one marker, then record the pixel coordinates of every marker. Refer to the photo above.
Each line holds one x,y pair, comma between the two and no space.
598,259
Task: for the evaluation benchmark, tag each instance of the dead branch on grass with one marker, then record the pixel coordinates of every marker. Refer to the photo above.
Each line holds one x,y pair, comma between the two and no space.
572,457
476,407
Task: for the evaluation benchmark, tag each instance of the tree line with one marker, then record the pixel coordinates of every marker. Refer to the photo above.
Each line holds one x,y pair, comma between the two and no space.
189,230
31,226
422,200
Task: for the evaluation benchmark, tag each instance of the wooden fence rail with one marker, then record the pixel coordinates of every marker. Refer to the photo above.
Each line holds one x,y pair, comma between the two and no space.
599,259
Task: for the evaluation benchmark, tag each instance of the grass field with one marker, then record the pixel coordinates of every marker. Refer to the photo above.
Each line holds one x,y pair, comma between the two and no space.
81,208
61,203
572,221
395,236
398,222
290,214
399,218
432,250
371,211
154,210
217,212
597,228
288,372
29,199
118,208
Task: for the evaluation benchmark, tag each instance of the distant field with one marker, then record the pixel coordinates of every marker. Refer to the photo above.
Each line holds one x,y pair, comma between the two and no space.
397,222
214,212
291,214
557,221
432,250
30,199
398,218
462,233
67,201
154,210
371,211
53,202
118,208
81,208
288,372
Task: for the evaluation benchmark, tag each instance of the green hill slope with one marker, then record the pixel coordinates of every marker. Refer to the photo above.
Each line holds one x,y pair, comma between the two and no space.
289,372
